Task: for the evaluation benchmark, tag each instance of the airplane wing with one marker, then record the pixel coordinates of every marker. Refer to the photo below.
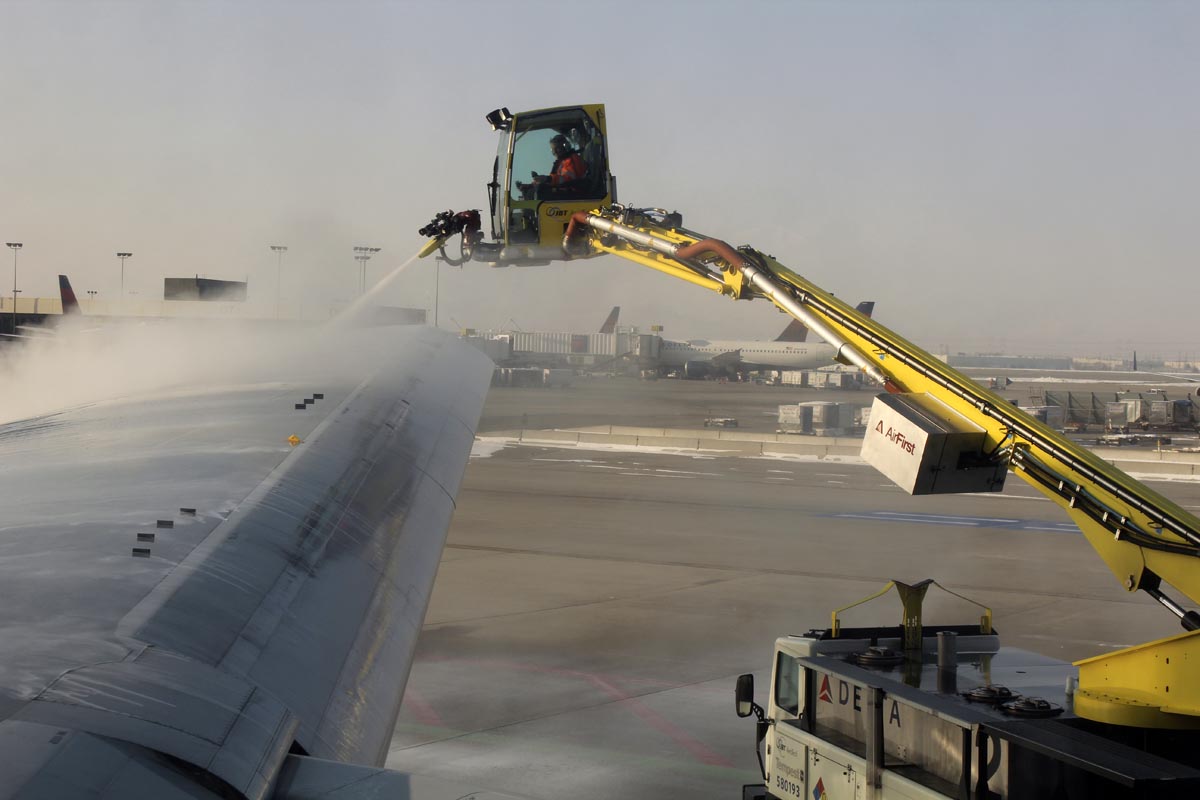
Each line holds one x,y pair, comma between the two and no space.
728,359
195,606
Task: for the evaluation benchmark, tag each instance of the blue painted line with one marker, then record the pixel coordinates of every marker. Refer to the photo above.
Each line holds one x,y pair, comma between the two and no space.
1003,523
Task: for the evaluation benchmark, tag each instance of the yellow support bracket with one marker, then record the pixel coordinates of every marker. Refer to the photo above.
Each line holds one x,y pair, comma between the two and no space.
1152,685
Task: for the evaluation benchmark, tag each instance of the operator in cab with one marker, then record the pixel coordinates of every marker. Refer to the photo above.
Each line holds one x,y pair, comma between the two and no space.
566,176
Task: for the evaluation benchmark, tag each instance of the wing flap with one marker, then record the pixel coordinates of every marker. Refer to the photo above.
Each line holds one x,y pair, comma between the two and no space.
225,725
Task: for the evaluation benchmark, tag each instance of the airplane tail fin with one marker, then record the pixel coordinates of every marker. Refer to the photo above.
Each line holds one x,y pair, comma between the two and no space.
69,304
610,324
797,331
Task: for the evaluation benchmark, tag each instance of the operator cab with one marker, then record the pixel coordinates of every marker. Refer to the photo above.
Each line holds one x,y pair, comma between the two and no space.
530,202
550,164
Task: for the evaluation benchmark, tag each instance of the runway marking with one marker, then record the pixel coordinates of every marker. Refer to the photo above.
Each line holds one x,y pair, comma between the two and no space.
700,751
652,475
885,518
421,709
965,522
1006,496
837,483
568,460
948,516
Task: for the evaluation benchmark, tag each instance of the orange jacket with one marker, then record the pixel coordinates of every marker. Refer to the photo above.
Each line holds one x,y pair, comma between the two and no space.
567,170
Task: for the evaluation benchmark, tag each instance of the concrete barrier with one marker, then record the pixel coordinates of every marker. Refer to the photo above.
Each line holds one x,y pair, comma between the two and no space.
550,436
747,436
743,448
1111,454
1155,467
629,430
678,442
608,438
794,449
742,443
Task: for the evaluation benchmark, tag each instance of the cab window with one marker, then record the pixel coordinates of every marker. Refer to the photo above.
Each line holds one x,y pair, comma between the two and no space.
787,683
532,153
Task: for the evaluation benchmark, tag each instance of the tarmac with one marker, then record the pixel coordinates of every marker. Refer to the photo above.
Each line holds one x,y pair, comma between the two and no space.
595,604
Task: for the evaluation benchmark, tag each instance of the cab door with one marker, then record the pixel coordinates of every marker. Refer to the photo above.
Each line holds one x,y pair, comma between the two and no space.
536,214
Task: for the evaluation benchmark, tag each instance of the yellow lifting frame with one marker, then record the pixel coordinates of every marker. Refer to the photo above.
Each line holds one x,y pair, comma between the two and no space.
912,597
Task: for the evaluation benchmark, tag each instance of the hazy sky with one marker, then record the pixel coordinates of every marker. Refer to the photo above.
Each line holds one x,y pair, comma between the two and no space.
994,175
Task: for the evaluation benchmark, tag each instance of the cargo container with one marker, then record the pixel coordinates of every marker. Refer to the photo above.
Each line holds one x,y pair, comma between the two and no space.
793,377
831,419
521,378
1135,409
795,418
557,378
1052,416
1116,416
842,380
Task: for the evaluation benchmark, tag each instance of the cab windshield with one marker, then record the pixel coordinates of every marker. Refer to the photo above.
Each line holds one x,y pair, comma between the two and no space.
534,160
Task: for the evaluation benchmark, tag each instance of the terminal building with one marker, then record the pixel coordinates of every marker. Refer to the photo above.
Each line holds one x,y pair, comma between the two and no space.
625,350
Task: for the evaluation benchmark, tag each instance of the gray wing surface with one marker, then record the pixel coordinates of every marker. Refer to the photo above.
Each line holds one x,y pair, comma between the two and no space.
188,598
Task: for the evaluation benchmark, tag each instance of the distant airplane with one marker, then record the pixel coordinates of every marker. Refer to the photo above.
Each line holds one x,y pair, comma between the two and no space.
70,307
610,324
796,331
234,615
700,358
69,304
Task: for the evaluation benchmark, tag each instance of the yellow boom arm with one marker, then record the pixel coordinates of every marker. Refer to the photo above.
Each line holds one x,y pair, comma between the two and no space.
1144,538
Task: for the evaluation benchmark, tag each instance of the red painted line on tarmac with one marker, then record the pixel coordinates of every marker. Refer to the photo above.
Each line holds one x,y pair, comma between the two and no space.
701,751
569,673
420,709
698,749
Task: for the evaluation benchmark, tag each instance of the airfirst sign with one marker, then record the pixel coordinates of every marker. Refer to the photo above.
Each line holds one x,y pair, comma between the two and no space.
926,447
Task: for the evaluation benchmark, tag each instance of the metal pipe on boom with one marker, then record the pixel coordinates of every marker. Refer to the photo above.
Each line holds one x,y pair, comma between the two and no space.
759,278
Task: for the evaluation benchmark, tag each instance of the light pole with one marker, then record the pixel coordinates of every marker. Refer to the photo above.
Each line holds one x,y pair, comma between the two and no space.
15,247
279,250
362,255
123,256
